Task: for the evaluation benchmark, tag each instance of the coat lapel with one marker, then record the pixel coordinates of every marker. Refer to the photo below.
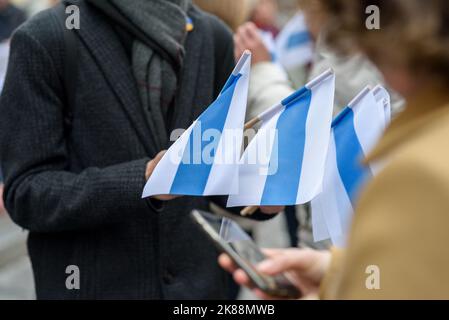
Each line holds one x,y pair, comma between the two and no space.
105,47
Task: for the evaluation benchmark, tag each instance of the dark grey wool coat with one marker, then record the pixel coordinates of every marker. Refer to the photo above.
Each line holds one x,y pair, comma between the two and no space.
78,190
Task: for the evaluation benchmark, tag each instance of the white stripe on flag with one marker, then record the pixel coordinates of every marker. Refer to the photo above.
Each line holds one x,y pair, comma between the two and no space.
369,122
317,139
224,170
333,206
383,97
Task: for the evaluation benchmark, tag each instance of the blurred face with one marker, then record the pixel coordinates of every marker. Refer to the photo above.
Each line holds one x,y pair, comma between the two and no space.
315,17
266,12
400,81
400,78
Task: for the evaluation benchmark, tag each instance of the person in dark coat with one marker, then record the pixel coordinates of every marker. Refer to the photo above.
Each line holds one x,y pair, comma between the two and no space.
74,178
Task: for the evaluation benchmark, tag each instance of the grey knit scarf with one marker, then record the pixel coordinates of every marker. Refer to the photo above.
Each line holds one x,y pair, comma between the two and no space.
163,21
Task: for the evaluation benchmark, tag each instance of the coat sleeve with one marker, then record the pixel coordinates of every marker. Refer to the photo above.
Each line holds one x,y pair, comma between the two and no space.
41,194
398,246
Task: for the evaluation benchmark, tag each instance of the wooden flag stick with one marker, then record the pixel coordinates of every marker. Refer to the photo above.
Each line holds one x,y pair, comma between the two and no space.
251,123
249,211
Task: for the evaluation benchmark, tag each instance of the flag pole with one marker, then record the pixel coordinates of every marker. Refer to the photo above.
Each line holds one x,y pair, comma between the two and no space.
377,89
359,97
326,74
249,211
241,62
251,123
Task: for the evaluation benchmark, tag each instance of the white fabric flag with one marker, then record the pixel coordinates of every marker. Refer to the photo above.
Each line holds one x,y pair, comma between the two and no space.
204,160
284,163
355,131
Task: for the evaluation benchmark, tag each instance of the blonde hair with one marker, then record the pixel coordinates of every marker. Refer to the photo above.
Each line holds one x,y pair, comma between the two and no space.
413,33
233,12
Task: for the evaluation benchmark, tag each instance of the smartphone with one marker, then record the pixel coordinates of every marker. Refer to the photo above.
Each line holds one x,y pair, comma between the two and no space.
245,254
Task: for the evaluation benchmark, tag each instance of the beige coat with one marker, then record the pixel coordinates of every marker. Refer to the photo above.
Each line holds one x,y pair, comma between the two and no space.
401,223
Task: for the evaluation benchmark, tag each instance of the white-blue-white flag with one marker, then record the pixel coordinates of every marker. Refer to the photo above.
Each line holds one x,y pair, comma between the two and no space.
284,163
204,160
294,46
355,131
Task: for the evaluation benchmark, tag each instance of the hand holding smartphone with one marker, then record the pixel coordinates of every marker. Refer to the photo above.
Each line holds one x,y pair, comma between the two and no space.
245,254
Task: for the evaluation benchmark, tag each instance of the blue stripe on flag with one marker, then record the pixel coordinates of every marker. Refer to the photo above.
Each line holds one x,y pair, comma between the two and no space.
282,187
349,154
298,39
191,177
232,80
294,96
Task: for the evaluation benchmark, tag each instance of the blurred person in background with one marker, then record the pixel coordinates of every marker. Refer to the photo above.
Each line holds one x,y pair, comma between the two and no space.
400,224
75,168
